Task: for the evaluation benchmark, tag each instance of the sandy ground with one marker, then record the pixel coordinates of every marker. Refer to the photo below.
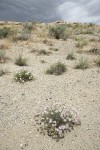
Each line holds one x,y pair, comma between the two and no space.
19,103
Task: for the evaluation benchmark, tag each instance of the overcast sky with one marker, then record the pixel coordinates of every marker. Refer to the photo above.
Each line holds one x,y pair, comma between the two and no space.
81,10
50,10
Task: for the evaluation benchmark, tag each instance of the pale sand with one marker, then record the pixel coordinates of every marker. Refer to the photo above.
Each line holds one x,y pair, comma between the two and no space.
19,103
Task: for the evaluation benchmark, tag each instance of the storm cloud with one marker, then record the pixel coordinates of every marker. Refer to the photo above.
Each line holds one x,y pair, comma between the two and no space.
47,11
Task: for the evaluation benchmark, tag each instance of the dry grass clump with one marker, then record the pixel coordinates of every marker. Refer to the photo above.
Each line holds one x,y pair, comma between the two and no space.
56,69
70,56
28,26
97,61
94,50
55,122
42,61
47,42
25,33
5,45
3,57
3,72
20,61
53,49
82,64
81,42
44,52
24,36
23,76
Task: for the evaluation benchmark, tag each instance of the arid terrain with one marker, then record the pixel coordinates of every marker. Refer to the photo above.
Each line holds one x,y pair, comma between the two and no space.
78,87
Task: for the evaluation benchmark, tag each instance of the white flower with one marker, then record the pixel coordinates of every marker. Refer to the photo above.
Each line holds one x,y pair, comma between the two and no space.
64,120
50,121
54,122
60,132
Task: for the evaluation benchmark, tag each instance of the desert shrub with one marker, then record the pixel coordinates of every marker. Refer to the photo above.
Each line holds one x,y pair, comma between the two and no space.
44,52
47,42
4,32
33,50
95,50
54,49
70,56
87,31
24,36
2,72
28,26
82,64
42,61
5,45
55,121
59,32
98,61
3,57
20,61
81,42
23,76
56,69
91,25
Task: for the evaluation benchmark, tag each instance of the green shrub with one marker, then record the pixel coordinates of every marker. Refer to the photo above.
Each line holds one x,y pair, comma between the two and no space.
70,56
56,69
23,76
59,32
82,64
4,32
55,121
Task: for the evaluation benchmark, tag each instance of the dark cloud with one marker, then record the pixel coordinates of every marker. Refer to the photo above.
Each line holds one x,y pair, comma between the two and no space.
23,10
50,10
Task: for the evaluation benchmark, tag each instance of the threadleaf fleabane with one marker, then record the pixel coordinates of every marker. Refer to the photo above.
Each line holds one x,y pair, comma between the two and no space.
56,121
23,76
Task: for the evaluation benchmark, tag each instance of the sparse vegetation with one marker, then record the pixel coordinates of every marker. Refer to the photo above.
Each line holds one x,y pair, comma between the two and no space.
55,122
56,69
70,56
82,64
23,76
20,61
